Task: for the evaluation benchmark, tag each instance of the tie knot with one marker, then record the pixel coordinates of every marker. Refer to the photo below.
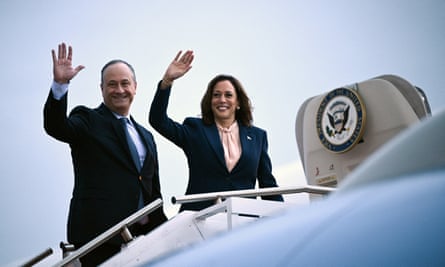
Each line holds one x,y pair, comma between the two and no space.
226,130
124,120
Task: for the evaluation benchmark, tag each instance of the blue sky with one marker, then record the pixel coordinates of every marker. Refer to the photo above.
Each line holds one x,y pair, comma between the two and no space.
283,51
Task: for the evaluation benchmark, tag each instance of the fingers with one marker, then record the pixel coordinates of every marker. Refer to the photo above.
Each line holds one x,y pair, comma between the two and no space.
186,58
53,53
62,68
62,51
79,68
177,56
70,53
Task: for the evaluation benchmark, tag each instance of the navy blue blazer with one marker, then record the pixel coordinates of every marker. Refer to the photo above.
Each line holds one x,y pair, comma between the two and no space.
107,183
205,154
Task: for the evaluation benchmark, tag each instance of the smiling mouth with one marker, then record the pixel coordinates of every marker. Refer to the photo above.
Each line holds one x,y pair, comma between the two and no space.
222,108
120,98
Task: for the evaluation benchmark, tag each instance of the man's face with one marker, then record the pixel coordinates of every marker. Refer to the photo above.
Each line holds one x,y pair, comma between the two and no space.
118,88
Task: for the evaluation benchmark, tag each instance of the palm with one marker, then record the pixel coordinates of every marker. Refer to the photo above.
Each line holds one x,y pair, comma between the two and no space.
63,71
180,65
62,65
177,69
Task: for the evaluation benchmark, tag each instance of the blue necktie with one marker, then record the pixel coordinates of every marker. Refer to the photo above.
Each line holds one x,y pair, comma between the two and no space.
137,162
131,146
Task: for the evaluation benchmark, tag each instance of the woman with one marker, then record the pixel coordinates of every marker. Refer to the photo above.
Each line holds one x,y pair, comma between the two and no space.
224,150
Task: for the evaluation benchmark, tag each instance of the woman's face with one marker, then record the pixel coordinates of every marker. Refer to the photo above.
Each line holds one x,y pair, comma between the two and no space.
224,102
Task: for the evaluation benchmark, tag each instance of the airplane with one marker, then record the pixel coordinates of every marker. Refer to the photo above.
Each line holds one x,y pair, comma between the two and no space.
387,212
373,159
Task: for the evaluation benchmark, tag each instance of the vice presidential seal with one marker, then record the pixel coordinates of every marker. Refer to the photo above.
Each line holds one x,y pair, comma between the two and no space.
341,119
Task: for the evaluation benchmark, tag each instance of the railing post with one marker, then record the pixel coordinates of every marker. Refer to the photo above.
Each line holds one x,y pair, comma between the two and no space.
38,258
121,228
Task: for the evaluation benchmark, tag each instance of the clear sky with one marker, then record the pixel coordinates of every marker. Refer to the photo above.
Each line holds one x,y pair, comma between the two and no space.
283,51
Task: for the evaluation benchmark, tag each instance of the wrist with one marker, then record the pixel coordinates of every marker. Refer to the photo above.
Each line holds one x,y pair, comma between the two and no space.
166,83
59,89
61,81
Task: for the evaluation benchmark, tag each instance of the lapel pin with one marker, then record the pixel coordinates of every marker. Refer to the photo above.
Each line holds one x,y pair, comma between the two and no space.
249,138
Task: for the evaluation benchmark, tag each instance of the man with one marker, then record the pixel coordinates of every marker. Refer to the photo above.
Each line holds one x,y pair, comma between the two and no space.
109,183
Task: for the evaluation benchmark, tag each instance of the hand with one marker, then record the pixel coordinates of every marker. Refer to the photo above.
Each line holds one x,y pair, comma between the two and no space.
177,68
62,68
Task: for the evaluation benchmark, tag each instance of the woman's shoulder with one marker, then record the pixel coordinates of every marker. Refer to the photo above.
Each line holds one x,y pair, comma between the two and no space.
255,128
256,131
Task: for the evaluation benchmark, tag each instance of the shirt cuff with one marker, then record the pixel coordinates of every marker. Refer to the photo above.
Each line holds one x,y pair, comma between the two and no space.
59,89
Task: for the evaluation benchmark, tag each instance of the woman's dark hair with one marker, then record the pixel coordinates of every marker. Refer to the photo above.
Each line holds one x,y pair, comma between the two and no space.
243,114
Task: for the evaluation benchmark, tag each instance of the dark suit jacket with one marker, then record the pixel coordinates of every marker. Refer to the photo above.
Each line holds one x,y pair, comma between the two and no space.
107,183
205,154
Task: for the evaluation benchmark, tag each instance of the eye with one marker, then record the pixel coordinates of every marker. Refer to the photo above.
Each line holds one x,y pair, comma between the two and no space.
112,84
228,95
125,83
216,95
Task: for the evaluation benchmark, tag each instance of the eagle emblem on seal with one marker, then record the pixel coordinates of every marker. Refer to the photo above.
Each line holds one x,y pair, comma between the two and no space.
340,119
337,121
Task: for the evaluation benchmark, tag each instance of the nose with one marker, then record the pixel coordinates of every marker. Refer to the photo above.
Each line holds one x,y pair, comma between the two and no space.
120,88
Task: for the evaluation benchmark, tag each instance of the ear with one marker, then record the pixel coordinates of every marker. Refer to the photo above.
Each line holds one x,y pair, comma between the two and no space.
102,89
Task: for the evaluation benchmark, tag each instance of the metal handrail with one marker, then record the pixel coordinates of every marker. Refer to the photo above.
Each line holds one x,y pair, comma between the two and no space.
38,258
322,190
121,227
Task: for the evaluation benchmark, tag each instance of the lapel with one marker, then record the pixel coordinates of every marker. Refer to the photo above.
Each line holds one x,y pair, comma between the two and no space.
116,125
212,135
246,140
120,133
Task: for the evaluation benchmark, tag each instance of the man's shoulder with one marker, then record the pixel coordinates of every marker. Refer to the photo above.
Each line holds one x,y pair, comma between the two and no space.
82,109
